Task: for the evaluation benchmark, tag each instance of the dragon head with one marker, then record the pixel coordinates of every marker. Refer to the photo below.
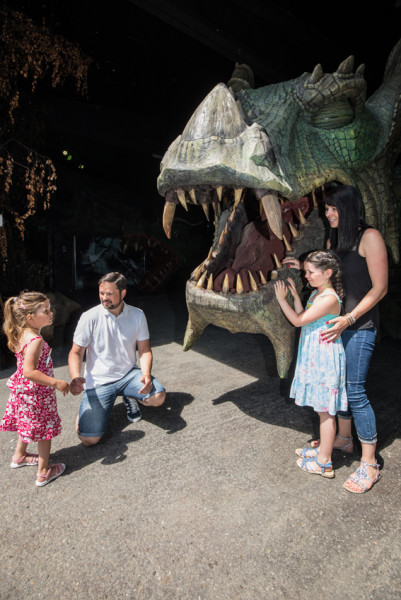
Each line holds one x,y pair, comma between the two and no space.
261,159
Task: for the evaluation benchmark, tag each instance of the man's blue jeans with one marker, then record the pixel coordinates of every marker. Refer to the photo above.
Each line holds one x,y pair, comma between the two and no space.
358,346
96,403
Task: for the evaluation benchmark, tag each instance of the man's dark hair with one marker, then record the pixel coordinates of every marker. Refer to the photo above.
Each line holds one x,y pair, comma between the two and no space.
115,277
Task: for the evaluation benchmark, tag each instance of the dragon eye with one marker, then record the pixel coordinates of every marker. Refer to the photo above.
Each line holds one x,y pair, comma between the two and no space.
334,115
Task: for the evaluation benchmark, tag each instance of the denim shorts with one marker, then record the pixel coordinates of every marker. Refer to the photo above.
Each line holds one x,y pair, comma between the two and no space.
96,403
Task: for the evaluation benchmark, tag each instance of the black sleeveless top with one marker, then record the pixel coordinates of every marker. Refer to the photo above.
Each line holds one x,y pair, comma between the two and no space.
357,283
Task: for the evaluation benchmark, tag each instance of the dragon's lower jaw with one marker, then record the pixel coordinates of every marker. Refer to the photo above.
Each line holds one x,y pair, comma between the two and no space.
233,287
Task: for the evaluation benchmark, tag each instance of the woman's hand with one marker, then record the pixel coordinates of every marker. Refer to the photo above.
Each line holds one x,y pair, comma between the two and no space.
333,333
292,262
280,289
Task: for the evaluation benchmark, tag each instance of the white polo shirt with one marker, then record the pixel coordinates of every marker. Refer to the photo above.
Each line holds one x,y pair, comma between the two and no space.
110,342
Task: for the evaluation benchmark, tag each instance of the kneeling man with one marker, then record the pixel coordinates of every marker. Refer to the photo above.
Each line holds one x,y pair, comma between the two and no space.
109,333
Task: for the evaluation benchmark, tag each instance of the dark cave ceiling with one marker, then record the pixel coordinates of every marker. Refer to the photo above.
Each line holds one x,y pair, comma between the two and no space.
155,61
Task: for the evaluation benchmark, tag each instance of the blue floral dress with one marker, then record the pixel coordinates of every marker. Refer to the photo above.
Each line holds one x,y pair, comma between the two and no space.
319,379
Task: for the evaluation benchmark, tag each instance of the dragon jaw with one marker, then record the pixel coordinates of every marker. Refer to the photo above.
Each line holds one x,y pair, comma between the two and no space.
253,158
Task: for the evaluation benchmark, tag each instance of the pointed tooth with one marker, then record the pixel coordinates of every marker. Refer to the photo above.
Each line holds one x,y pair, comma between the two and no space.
168,217
201,280
239,286
347,66
274,275
205,206
216,208
181,198
287,244
273,214
219,191
237,196
210,282
262,278
222,236
294,231
226,285
197,272
317,74
252,281
277,262
314,199
302,219
360,70
192,195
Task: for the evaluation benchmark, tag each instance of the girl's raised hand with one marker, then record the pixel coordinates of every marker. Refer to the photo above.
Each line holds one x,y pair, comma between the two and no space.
292,287
280,289
62,386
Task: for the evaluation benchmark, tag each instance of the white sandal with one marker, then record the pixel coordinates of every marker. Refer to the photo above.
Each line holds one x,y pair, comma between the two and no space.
32,461
59,467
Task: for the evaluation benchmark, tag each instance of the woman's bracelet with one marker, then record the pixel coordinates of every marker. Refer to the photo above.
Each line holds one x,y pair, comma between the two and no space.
350,319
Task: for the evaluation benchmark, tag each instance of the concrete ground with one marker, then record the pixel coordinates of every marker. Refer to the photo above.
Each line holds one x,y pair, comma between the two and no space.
202,499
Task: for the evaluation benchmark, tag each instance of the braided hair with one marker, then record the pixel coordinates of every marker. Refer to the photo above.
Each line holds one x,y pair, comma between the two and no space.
328,259
16,310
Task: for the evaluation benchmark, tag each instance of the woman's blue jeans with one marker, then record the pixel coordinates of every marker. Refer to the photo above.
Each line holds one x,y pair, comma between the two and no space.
358,346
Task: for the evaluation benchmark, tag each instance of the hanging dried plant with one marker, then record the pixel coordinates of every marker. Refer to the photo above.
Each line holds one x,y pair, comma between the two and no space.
30,53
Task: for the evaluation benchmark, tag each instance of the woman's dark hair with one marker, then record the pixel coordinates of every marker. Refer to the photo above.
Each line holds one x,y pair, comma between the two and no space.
348,202
327,259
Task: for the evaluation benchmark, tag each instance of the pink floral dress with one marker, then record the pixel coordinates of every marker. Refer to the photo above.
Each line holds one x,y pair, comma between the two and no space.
32,408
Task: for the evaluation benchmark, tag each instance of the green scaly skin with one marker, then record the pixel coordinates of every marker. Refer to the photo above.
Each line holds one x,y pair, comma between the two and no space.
286,140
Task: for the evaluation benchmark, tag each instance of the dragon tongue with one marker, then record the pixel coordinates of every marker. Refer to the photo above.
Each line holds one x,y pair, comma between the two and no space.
272,210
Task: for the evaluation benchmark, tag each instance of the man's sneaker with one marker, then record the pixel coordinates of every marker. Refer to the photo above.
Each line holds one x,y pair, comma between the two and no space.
133,412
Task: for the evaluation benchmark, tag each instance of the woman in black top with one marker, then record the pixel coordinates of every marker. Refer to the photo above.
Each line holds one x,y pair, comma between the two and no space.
363,255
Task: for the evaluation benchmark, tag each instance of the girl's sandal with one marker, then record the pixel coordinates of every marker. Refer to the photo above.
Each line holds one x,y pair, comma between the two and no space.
307,452
354,481
57,469
312,465
347,448
31,461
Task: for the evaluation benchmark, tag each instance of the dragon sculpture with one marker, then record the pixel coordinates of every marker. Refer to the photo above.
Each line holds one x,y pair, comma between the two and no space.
262,158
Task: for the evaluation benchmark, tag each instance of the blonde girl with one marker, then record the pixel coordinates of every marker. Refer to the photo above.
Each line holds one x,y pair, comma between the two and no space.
32,408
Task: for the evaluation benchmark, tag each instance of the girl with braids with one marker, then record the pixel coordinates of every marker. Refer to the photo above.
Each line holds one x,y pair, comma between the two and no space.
32,409
319,379
364,266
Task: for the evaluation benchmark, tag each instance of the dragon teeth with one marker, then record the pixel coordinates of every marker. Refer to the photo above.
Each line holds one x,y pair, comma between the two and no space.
168,217
273,214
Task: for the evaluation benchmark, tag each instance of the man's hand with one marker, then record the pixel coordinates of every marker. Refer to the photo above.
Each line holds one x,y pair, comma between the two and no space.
77,385
147,385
